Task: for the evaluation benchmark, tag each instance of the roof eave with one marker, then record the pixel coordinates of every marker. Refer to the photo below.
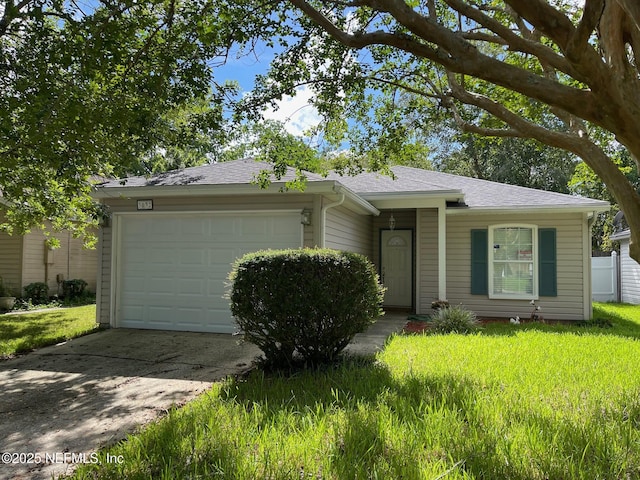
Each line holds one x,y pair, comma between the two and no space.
435,199
363,205
156,191
595,207
623,235
323,186
446,194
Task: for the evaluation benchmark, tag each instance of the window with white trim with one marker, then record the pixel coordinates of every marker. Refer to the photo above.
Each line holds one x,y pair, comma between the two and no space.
513,261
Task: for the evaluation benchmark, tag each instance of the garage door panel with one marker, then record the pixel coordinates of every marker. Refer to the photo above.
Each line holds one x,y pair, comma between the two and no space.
133,253
162,314
174,268
160,286
224,229
193,287
193,257
256,227
164,229
194,227
133,312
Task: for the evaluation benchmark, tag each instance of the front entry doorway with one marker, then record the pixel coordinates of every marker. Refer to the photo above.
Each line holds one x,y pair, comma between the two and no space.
396,272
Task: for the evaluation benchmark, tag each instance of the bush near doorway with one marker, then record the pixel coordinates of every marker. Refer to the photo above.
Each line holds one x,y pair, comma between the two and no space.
304,305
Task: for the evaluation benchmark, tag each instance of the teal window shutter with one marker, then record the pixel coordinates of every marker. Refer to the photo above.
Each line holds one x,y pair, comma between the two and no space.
479,262
547,263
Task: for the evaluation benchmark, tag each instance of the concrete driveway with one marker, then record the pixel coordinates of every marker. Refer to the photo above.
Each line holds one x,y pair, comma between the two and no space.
76,397
61,402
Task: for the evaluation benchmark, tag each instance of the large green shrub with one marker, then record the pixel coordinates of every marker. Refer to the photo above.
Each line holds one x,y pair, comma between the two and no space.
303,305
72,289
37,293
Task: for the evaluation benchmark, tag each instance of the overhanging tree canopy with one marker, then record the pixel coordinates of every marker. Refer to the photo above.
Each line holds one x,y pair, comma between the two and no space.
91,92
98,89
562,73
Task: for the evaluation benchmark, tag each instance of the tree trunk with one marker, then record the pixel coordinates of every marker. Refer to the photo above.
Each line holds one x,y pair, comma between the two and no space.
622,190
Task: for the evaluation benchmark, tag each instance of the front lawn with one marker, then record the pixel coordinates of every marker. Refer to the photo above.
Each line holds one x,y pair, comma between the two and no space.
512,402
24,332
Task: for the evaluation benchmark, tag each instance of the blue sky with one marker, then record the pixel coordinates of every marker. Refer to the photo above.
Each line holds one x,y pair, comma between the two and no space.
295,112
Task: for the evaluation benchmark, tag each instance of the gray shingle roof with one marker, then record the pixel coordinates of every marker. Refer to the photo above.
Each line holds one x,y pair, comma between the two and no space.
225,173
477,193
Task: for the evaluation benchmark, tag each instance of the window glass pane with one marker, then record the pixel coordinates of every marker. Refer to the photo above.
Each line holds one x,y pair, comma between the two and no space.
499,235
513,278
513,261
512,252
525,235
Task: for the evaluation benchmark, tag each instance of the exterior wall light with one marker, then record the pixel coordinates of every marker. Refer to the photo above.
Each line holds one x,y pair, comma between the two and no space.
392,223
305,217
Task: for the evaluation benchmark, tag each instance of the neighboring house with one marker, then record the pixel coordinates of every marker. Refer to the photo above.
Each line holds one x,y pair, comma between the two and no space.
25,259
490,246
629,270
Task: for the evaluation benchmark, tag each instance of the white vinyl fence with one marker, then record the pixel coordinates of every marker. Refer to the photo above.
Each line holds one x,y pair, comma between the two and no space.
604,278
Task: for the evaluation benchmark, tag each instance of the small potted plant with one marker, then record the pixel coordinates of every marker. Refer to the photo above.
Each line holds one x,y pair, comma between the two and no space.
7,300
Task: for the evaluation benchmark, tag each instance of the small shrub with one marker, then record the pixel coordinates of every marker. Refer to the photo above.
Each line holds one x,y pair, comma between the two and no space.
456,319
303,304
73,288
37,293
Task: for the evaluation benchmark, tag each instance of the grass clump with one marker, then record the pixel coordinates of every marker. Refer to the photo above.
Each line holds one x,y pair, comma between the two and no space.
456,319
25,332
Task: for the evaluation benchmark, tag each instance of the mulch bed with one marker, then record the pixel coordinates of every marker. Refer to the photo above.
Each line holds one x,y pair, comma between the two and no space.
419,326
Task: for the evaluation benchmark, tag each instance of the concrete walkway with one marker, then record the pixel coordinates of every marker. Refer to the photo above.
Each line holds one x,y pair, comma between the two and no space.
374,339
65,401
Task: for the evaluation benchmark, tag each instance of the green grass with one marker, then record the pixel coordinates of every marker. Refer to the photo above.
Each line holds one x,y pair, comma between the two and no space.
25,332
512,402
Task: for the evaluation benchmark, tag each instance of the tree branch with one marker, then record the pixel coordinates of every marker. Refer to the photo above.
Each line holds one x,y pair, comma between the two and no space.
577,44
460,56
484,37
483,131
515,42
547,19
632,7
9,14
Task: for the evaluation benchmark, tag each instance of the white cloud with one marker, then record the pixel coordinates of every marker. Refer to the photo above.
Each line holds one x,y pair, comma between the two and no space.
296,112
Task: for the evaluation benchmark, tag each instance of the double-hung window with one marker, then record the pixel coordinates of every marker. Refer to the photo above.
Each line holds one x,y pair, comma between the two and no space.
513,261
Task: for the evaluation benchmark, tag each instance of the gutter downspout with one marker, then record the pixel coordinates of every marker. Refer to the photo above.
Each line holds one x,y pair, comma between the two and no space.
323,216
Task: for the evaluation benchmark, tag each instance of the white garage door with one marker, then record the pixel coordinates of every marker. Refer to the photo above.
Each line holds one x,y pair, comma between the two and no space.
173,268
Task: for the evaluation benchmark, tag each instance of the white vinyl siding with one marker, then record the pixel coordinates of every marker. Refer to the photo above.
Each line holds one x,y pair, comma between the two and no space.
349,231
10,259
71,260
103,289
568,305
630,275
428,258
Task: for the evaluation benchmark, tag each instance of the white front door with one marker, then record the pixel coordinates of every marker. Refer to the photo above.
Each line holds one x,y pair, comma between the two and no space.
396,266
